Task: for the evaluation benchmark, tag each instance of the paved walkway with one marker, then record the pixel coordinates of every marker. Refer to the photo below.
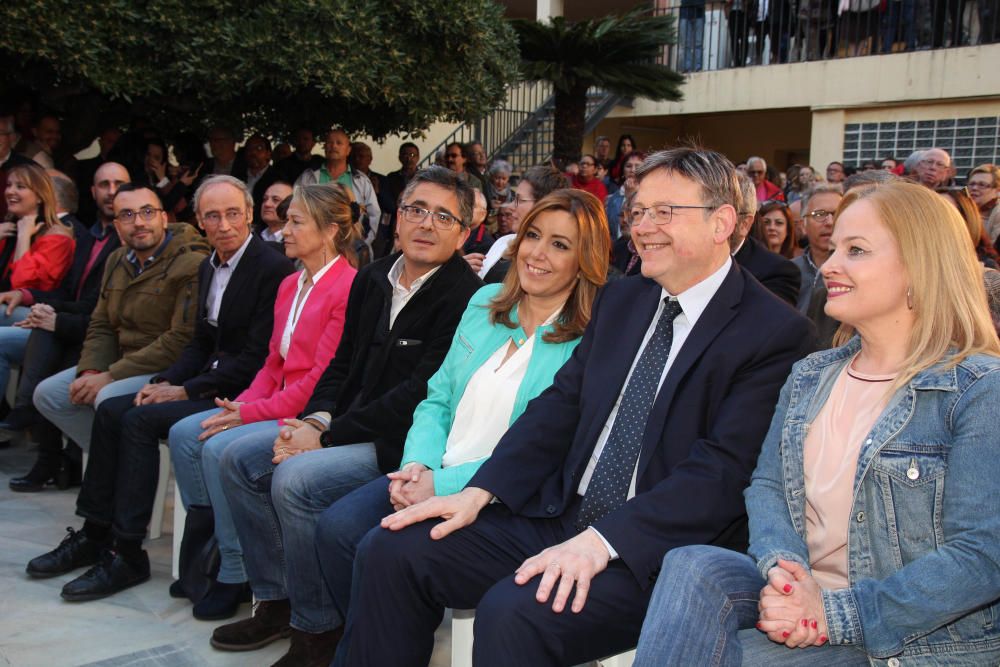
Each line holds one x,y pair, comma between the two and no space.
142,627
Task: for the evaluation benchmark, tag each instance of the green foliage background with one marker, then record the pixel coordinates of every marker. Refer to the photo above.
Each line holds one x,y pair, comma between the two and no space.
372,66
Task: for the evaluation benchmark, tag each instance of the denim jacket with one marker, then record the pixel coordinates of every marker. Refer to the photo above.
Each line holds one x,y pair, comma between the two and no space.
924,537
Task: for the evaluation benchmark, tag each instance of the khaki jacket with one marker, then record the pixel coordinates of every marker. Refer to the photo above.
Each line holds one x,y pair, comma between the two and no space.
142,322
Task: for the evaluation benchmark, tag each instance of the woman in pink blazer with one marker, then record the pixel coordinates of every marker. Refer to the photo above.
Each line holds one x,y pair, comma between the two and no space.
308,322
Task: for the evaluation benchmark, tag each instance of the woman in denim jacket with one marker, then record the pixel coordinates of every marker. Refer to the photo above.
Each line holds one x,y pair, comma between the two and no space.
874,537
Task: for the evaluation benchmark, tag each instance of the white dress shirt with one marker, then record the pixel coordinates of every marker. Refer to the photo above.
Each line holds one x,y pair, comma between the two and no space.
402,295
220,281
693,302
299,305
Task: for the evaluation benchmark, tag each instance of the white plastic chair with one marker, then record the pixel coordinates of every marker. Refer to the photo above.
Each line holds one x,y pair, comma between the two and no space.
462,621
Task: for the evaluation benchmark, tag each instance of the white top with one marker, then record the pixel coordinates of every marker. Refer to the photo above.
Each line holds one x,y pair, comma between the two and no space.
401,295
296,310
220,281
693,300
274,237
496,253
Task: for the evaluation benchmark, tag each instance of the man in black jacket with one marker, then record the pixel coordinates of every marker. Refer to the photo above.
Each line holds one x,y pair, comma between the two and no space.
401,315
773,271
237,288
58,325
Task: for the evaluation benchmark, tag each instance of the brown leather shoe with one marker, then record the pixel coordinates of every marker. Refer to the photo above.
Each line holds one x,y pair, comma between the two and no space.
268,624
311,650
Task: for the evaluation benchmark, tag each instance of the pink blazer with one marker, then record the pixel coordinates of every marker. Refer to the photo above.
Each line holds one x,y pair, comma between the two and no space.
282,387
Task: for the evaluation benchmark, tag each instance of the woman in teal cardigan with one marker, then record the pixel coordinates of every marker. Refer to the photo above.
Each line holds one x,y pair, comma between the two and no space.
511,341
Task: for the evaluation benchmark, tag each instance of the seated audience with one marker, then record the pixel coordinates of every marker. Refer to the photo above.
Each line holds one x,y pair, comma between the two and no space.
237,284
511,341
268,227
764,189
49,338
595,480
401,316
615,202
966,207
308,323
983,185
587,179
866,507
498,190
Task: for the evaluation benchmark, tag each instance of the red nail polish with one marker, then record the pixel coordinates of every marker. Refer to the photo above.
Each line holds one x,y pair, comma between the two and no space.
785,634
787,588
822,639
759,624
813,624
805,623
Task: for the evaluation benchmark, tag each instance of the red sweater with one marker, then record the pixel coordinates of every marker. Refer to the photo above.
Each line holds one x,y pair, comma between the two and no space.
46,263
594,186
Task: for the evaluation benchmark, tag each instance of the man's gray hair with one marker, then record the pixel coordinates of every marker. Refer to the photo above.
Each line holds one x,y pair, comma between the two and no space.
711,170
67,197
500,167
756,158
219,179
870,177
748,197
449,180
819,189
910,163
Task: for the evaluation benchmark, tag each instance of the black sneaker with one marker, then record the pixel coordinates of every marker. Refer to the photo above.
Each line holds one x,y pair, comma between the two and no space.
76,550
111,575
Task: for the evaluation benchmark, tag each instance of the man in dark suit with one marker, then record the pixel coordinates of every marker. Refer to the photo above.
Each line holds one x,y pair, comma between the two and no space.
401,315
257,171
644,442
237,288
773,271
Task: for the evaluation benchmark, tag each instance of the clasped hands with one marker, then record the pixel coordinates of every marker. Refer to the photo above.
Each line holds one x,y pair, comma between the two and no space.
295,437
571,564
791,607
225,419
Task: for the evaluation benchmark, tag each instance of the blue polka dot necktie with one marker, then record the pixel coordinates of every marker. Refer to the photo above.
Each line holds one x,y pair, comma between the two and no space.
608,487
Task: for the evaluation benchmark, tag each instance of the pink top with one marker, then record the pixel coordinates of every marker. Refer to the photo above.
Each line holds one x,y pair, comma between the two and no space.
830,455
282,387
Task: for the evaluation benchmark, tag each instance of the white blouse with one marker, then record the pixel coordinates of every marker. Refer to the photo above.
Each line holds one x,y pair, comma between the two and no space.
297,306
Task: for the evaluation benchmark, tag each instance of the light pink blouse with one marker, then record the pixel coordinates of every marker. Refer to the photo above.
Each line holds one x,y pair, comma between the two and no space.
830,455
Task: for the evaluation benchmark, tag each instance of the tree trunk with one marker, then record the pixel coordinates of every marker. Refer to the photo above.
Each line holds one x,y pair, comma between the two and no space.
570,116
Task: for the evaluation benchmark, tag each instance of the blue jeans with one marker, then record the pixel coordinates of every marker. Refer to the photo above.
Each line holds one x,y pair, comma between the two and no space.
691,31
52,400
704,612
196,468
340,530
275,509
12,342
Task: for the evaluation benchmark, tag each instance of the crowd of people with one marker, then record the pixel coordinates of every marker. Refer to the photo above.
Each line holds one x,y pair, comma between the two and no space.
756,32
650,398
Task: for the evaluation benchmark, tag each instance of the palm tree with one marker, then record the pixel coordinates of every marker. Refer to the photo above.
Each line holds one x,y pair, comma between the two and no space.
616,53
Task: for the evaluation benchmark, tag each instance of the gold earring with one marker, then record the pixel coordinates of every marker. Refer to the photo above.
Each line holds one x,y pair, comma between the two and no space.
909,298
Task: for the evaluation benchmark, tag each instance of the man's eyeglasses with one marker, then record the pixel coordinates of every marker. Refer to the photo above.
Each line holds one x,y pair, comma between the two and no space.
233,216
660,214
819,215
755,172
935,163
416,215
127,216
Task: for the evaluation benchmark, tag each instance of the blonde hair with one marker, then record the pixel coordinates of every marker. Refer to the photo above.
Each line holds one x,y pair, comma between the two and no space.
952,317
592,253
332,205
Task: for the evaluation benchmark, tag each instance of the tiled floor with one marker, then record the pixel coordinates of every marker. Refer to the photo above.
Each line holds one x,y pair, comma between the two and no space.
142,627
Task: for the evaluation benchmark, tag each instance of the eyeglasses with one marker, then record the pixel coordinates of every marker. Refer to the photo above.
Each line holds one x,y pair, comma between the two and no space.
127,216
416,215
588,163
233,216
660,214
518,200
755,172
975,185
819,215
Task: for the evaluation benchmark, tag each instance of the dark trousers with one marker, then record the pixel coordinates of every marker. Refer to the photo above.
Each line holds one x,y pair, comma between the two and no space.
119,485
407,580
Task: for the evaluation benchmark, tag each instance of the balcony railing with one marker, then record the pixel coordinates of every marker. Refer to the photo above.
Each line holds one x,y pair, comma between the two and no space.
714,35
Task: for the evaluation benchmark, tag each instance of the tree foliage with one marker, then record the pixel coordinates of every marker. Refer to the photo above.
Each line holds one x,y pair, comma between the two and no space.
617,53
368,65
